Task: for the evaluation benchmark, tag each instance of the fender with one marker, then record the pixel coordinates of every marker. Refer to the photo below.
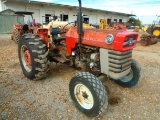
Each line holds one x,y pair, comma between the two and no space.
43,33
18,27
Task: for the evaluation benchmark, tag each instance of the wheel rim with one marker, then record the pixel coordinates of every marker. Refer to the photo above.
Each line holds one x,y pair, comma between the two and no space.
156,32
128,77
83,96
26,58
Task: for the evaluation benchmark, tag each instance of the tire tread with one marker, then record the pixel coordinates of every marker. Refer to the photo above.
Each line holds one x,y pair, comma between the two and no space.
39,54
98,88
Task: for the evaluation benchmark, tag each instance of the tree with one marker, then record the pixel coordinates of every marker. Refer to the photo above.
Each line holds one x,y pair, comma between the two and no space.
134,21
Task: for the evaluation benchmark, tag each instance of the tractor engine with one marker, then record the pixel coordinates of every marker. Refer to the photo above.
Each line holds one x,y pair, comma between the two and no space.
109,52
89,58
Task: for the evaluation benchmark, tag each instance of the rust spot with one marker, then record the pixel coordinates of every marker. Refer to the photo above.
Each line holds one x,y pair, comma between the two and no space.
79,99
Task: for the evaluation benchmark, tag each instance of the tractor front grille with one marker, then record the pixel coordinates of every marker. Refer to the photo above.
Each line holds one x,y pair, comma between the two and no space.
119,61
130,41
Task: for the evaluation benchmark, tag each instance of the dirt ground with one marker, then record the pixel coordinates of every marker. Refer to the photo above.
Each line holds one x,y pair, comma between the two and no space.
49,99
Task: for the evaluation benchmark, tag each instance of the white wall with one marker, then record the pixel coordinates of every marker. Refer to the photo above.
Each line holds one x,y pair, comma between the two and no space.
0,5
40,10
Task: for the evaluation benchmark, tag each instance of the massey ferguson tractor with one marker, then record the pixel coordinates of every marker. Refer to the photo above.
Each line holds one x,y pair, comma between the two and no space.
94,51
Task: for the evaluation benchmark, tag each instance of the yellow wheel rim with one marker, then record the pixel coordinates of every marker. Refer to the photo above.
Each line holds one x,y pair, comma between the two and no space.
156,33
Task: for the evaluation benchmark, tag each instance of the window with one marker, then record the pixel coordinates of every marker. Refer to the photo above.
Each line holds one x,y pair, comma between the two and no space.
85,19
64,17
108,21
115,20
120,20
47,18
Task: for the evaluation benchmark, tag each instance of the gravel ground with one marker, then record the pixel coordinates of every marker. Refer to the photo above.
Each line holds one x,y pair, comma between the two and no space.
49,99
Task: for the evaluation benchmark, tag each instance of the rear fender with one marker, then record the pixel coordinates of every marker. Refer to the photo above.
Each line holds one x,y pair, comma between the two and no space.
43,33
18,27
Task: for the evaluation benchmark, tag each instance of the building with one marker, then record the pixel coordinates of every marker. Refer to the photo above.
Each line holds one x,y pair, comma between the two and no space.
7,19
43,10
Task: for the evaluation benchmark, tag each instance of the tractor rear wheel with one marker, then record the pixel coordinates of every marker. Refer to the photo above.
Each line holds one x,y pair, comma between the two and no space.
33,56
132,78
88,94
15,36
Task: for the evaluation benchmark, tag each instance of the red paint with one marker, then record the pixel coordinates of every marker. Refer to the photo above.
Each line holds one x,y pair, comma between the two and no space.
16,26
34,22
27,58
96,37
119,26
43,33
120,38
71,43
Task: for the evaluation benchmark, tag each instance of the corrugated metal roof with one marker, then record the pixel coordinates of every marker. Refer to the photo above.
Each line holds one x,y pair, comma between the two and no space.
8,12
82,7
107,11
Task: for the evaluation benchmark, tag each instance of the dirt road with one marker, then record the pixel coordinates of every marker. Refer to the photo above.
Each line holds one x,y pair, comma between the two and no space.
49,99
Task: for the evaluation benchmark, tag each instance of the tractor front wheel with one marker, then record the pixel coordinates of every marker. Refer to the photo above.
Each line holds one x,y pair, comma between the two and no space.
88,94
33,56
132,78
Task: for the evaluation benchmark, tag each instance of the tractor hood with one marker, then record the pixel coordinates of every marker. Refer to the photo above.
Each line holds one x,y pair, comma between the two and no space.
122,40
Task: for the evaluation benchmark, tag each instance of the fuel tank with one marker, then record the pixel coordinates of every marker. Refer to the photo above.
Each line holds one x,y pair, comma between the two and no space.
122,40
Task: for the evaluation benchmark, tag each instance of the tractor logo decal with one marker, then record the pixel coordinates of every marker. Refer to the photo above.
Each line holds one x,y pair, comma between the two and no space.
131,42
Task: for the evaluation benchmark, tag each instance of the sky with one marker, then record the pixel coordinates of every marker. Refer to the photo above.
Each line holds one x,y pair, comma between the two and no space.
145,10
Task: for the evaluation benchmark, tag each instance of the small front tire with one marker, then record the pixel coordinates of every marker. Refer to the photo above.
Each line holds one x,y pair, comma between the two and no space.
132,78
88,94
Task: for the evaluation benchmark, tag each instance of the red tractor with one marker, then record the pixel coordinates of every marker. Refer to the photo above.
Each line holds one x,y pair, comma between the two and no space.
93,50
21,28
119,26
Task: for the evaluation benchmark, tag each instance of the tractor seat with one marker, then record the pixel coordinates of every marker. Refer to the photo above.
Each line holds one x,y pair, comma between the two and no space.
25,28
54,32
59,39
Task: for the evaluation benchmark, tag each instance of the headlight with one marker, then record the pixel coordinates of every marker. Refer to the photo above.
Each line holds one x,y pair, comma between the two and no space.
109,39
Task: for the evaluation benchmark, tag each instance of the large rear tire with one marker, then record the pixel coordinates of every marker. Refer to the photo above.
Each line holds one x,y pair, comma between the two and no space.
33,56
132,78
88,94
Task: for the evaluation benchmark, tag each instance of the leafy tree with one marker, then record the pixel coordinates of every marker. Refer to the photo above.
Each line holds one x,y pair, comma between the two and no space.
134,21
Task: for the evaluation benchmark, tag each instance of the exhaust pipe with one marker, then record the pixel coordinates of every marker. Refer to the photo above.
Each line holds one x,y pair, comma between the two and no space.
79,20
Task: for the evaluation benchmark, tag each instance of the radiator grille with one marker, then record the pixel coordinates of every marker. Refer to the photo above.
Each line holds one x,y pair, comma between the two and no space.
130,41
119,61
